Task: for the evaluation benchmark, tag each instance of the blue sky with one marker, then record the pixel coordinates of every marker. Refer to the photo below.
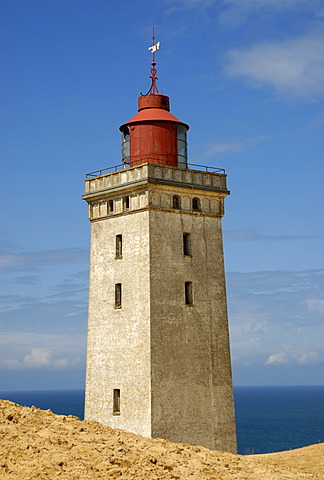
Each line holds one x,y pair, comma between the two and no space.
248,77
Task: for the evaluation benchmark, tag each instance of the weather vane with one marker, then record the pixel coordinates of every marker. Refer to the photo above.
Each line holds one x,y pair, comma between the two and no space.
153,77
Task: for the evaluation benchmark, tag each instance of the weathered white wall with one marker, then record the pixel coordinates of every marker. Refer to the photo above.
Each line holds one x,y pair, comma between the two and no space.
118,352
171,361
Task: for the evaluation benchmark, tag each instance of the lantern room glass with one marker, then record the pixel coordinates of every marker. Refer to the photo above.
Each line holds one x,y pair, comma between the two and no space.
125,146
182,146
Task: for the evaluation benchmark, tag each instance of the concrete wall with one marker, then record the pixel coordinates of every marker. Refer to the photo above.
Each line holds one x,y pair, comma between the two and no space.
192,398
171,361
118,351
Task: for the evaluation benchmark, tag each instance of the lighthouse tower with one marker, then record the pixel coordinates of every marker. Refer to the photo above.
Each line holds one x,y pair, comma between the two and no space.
158,356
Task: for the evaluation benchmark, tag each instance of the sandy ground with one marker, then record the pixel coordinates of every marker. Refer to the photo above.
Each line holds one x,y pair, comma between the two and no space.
36,444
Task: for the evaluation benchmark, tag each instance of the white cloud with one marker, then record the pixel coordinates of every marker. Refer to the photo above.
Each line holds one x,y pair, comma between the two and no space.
293,358
13,354
309,358
282,358
63,362
39,357
293,67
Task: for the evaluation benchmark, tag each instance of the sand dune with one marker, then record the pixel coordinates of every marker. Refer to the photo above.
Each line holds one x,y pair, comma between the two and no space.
36,444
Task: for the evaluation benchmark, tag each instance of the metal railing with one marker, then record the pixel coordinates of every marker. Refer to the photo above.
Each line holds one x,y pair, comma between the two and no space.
124,166
114,168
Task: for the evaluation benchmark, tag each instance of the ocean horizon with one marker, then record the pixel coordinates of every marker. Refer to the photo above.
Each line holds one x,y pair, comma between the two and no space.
268,419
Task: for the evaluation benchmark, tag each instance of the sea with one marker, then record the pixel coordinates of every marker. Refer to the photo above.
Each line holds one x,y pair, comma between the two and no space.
268,419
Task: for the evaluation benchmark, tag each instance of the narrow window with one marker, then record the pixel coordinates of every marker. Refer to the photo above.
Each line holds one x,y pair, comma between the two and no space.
176,201
186,244
116,402
118,295
188,293
119,246
110,206
196,204
126,203
125,146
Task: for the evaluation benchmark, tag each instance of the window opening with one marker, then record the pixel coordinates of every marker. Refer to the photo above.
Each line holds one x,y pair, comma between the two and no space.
186,244
118,295
116,401
188,293
176,201
119,246
126,203
110,206
196,204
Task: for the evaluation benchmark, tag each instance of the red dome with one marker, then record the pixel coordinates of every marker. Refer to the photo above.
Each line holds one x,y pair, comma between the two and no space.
153,114
154,107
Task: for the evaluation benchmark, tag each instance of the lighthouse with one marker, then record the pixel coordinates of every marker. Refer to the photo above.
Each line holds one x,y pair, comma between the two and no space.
158,355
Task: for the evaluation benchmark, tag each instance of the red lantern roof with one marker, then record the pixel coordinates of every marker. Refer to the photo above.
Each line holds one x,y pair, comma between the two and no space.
153,107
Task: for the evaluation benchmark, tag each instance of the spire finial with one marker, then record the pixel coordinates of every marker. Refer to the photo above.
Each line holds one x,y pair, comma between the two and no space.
153,77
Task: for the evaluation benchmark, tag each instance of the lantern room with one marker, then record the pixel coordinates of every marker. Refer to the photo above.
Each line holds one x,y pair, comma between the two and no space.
154,135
